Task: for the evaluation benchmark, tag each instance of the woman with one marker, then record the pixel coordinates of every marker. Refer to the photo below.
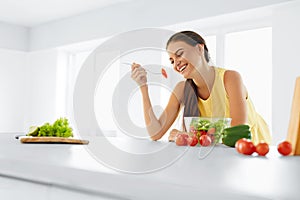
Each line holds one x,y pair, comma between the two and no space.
208,91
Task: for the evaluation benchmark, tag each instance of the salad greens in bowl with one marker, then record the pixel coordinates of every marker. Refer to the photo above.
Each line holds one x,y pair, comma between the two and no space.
207,130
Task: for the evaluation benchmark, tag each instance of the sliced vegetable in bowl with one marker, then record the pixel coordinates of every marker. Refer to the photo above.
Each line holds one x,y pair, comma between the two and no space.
211,127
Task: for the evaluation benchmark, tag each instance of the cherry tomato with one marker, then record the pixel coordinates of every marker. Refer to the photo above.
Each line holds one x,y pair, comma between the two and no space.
262,149
245,146
181,139
202,132
284,148
238,143
205,140
164,73
192,140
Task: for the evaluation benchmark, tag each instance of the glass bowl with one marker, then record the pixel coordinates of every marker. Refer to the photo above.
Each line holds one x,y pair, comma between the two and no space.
211,127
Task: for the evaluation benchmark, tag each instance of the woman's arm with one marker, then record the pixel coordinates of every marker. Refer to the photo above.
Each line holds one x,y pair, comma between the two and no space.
237,94
157,127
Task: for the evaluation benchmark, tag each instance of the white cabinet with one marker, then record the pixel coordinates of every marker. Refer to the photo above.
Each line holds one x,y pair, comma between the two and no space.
11,189
15,189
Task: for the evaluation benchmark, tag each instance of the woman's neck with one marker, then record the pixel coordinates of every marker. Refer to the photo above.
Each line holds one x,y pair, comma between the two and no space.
204,80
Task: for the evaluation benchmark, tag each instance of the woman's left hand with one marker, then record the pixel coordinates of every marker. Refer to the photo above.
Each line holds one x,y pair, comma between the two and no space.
173,134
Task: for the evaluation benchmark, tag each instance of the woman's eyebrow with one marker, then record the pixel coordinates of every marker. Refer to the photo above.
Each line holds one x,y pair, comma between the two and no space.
178,50
176,53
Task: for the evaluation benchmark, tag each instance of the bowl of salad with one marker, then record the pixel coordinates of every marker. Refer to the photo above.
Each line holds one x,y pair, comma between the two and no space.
207,130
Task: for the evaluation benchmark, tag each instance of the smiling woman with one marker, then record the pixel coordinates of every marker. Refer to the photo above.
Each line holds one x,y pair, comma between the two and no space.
208,91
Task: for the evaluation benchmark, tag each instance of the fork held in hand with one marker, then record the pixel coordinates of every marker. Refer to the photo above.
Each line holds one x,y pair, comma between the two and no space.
156,73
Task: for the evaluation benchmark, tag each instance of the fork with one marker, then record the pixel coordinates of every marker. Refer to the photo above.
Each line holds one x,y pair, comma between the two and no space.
156,73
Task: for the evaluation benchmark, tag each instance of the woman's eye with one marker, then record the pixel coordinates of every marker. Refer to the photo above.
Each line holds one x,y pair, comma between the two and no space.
179,54
172,62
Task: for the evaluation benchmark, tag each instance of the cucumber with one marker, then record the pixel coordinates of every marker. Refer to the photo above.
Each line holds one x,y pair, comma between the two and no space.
237,133
238,128
231,140
241,134
233,134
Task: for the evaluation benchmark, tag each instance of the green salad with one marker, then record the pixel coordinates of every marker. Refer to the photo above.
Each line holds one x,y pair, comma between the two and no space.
213,128
60,128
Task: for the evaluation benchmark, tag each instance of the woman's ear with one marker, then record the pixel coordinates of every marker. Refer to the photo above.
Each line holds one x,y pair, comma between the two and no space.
200,48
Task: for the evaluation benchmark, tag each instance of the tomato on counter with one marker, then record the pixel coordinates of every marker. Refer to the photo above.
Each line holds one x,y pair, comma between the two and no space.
284,148
245,146
262,149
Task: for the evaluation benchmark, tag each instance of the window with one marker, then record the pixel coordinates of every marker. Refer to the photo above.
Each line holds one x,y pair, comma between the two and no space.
250,53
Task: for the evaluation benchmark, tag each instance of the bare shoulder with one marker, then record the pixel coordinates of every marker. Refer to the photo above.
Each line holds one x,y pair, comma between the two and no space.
180,85
233,82
179,90
232,76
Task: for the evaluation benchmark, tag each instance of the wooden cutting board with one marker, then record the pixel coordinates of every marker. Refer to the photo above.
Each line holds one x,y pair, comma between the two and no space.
294,125
27,139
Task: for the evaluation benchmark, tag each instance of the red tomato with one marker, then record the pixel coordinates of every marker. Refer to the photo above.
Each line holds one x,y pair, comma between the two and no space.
181,139
202,132
284,148
262,149
192,141
205,140
238,143
245,146
164,73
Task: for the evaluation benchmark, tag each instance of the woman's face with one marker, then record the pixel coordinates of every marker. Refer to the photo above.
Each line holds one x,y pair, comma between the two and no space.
186,59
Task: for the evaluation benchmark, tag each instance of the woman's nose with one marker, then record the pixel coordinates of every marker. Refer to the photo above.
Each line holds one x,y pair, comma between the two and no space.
176,63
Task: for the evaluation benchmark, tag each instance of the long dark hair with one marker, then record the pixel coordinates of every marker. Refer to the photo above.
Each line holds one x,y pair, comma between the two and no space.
190,99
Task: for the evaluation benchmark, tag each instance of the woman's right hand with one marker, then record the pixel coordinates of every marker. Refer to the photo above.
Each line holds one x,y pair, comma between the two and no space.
138,74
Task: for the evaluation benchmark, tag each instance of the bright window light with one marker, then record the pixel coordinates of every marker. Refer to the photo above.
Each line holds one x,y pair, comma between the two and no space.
250,53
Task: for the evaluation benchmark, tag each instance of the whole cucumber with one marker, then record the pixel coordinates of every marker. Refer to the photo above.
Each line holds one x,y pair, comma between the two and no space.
237,133
238,127
230,139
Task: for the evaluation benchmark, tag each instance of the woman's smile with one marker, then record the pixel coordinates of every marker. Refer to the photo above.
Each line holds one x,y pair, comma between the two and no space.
181,68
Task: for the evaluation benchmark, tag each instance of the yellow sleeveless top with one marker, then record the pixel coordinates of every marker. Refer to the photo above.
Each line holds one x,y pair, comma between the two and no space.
217,105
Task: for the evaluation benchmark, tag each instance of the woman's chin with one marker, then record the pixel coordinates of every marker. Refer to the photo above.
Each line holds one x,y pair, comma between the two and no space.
185,75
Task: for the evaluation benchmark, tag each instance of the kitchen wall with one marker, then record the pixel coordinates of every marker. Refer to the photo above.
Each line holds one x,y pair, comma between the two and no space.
27,88
28,79
286,64
41,88
13,86
14,37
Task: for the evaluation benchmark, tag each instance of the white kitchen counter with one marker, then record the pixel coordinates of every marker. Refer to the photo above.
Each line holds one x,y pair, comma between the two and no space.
61,171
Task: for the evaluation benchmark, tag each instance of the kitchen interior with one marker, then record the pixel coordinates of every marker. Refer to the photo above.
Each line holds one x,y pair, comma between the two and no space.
45,48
